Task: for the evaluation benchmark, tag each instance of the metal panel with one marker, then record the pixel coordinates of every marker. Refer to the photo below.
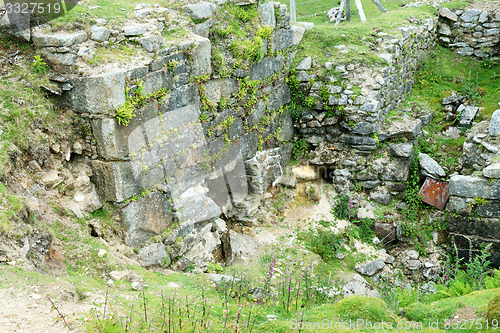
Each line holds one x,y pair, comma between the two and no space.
435,192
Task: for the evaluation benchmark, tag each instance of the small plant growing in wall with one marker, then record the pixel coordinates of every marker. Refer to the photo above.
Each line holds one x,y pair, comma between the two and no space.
172,64
300,148
39,65
136,99
344,207
265,32
217,268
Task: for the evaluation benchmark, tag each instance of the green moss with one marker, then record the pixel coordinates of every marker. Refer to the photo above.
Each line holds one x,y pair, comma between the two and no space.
354,308
493,311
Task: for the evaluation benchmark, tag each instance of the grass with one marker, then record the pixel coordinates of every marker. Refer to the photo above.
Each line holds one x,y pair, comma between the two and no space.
446,308
358,37
24,105
112,11
441,74
237,38
10,205
113,53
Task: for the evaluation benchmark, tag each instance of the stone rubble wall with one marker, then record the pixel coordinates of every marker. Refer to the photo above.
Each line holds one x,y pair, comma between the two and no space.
209,146
470,32
345,141
474,204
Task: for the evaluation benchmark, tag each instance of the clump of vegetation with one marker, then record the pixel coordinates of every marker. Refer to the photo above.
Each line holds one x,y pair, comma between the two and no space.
361,230
135,100
10,206
323,241
413,226
300,148
247,49
239,34
344,207
40,66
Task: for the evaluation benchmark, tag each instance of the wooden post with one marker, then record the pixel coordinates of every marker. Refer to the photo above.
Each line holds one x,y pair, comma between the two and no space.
341,11
348,10
379,5
293,11
360,10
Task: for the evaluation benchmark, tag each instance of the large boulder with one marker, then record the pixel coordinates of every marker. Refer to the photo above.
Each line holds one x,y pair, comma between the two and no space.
146,217
371,267
494,128
471,187
467,116
354,284
401,149
100,94
202,57
447,13
470,15
492,171
41,39
267,16
239,246
154,254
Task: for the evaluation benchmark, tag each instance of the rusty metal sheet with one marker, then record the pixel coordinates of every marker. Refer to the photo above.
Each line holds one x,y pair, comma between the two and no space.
435,192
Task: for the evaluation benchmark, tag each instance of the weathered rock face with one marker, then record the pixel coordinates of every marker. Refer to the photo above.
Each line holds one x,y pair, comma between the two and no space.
200,145
472,32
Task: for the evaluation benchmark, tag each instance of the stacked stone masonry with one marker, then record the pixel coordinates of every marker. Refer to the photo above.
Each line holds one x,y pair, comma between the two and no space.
470,32
348,126
474,204
200,146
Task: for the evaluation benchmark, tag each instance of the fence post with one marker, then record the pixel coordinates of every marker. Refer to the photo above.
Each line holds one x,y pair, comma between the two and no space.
348,10
360,10
293,11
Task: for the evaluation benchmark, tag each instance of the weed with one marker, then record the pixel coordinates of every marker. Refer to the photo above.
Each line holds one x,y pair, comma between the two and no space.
361,230
214,268
471,89
40,66
344,208
477,266
480,201
300,148
171,65
413,227
135,100
264,32
247,49
323,242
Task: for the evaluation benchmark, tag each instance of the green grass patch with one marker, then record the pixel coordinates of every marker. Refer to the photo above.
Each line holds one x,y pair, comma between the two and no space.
442,73
358,37
112,11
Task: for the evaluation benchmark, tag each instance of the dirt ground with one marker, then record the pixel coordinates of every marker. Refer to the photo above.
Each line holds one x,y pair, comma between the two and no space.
28,309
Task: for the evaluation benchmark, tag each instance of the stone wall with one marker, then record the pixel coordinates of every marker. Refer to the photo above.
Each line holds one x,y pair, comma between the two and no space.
348,122
470,32
203,143
474,205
